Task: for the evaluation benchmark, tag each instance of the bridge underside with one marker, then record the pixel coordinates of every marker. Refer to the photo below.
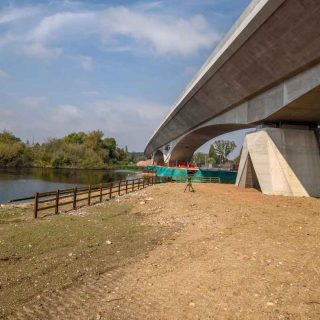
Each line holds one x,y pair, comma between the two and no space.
292,105
295,101
274,41
266,73
186,147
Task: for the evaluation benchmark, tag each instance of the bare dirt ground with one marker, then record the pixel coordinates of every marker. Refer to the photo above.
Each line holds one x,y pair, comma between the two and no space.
234,254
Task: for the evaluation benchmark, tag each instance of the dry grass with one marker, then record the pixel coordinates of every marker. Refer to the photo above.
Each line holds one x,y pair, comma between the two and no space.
40,256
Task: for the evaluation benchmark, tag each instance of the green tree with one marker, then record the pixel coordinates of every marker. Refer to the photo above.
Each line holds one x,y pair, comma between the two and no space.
122,154
93,140
211,160
110,146
212,152
199,158
222,149
75,150
13,152
76,137
110,143
8,137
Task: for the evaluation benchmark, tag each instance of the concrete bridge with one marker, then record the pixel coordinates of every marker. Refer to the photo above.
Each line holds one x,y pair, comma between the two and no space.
265,74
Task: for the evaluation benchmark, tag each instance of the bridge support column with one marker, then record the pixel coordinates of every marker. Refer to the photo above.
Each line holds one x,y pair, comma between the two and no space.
281,162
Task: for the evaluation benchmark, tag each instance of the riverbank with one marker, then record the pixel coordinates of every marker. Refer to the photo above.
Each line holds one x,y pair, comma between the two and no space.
112,167
21,183
220,252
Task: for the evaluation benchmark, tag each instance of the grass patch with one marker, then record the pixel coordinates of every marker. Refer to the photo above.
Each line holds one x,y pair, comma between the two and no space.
40,256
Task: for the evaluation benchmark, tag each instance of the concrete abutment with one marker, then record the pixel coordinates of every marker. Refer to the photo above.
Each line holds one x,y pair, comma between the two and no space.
281,161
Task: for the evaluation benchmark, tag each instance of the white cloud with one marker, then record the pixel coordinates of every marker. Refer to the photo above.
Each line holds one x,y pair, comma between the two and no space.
67,114
38,50
34,102
86,62
118,28
38,40
164,35
3,74
13,14
55,25
129,120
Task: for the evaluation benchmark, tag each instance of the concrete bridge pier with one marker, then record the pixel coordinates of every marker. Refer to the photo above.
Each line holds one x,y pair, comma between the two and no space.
281,161
162,155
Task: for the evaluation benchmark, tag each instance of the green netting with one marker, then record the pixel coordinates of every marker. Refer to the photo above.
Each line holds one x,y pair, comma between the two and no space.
168,172
225,176
182,174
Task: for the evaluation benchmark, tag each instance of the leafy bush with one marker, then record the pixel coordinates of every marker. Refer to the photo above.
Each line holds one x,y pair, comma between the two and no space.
76,150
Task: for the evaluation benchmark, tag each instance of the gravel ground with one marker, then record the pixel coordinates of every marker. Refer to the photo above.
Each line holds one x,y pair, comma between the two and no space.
234,254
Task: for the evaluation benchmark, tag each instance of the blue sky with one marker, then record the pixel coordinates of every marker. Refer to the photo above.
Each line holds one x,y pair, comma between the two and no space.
117,66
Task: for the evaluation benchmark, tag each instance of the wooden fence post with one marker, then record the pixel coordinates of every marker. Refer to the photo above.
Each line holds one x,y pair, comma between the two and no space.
73,194
89,195
101,188
75,198
57,201
36,205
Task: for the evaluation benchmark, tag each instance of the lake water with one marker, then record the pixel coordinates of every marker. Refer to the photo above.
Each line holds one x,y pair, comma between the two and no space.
19,183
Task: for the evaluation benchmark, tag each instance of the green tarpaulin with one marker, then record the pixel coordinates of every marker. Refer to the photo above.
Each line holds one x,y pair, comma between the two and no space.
168,172
225,176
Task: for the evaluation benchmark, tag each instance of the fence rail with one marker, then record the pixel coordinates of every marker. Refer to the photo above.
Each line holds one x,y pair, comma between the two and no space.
97,193
198,179
88,195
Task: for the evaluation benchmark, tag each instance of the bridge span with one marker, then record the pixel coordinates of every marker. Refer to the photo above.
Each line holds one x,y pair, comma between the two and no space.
265,74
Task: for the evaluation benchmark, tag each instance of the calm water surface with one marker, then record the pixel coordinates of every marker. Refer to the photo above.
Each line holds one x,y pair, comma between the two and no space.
18,183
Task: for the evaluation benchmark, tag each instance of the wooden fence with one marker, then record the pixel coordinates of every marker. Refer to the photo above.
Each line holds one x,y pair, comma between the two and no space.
198,179
90,194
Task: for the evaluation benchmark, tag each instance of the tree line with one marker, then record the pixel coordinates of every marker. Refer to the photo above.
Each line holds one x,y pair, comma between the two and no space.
219,152
75,150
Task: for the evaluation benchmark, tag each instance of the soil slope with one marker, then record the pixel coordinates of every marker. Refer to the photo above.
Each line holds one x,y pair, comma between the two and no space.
232,254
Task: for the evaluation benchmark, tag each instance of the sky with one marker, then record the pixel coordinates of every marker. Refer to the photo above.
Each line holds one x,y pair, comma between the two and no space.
117,66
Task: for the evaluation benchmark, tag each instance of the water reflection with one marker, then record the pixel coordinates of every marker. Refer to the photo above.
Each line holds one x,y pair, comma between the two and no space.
17,183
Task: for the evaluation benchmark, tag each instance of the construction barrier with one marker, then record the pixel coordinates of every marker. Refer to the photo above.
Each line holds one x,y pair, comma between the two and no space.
224,176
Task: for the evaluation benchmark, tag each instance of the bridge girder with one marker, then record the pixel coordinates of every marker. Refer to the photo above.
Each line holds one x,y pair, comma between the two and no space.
271,42
296,100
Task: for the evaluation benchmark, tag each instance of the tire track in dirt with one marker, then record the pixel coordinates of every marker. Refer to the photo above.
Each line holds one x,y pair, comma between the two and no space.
228,260
75,302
